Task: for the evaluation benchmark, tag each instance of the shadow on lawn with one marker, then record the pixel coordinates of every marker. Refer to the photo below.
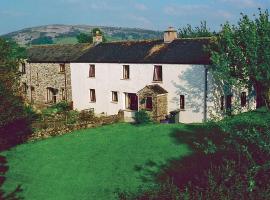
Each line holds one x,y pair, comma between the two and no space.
184,170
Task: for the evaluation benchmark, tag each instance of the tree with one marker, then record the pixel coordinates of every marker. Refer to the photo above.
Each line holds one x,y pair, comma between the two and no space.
14,122
198,31
42,40
88,38
241,55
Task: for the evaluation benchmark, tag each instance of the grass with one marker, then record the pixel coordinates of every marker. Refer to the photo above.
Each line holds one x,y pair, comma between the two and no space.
92,163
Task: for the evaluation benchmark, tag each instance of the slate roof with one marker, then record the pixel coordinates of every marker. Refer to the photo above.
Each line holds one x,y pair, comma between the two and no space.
180,51
157,89
56,53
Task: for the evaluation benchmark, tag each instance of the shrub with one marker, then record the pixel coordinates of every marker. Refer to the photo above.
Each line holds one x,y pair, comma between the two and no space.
61,106
142,117
72,117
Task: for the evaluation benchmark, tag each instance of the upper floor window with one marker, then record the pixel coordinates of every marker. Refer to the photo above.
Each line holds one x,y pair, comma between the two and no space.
92,95
23,71
92,71
243,99
126,72
157,73
114,96
182,102
149,103
62,68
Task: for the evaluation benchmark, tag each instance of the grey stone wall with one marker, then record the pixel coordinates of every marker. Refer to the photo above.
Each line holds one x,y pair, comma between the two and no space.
159,104
40,76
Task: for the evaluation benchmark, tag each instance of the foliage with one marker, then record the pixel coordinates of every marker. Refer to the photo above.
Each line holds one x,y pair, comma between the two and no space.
61,106
241,56
84,38
86,115
42,40
198,31
88,38
142,117
72,117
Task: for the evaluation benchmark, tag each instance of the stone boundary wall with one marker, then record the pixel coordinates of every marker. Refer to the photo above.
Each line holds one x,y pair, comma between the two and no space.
62,129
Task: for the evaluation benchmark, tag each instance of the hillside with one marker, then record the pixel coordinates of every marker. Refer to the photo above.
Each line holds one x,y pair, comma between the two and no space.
66,34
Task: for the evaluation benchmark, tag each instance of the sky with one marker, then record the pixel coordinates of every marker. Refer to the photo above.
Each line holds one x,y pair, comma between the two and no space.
147,14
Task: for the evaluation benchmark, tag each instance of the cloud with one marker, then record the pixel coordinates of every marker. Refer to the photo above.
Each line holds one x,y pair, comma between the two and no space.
179,10
140,6
243,3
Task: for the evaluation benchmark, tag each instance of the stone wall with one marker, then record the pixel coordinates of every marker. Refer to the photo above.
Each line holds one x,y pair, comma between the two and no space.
40,76
159,104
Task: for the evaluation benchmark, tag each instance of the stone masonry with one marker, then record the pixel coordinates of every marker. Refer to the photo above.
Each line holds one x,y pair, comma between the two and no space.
43,80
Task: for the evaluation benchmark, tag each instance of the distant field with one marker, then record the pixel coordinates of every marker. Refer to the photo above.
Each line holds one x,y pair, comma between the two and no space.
65,40
92,163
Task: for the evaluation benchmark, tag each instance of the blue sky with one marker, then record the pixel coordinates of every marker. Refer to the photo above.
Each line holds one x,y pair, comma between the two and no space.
150,14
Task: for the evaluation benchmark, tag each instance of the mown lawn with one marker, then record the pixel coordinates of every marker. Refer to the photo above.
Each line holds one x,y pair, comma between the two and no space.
92,163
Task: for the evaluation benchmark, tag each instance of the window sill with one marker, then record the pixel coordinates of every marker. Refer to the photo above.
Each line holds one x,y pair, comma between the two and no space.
92,77
61,72
114,102
128,110
157,81
92,102
125,79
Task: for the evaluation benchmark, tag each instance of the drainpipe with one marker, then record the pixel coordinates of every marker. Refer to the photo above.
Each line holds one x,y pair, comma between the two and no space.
205,93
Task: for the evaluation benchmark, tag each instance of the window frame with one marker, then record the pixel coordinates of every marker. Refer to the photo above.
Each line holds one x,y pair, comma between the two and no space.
92,71
243,99
182,102
126,76
23,69
222,102
92,95
115,98
24,87
62,68
158,77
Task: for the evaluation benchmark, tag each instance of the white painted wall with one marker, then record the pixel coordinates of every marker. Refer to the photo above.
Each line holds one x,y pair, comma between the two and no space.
177,79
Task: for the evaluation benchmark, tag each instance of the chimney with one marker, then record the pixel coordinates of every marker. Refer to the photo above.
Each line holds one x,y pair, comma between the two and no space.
97,38
170,35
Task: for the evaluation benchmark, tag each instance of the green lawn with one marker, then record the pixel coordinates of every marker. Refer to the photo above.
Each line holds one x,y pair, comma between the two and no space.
92,163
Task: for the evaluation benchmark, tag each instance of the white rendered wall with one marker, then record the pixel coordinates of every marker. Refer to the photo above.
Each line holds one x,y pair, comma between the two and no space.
177,79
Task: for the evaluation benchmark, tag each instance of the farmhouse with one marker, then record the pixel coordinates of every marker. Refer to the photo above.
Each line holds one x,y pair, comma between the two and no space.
168,76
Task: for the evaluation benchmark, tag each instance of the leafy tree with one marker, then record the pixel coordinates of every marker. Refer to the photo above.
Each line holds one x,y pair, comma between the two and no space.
241,55
198,31
14,122
84,38
42,40
88,38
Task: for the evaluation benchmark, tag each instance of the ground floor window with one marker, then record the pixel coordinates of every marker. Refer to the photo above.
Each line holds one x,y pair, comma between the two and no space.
222,103
92,95
24,88
131,101
243,99
114,96
229,102
51,95
182,102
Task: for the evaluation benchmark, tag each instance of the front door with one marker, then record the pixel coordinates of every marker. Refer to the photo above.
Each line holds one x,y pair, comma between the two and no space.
132,101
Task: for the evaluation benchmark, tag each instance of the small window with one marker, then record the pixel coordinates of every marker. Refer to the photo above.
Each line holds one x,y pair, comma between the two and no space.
23,68
114,96
92,71
222,103
229,102
63,95
62,68
182,102
126,72
24,88
149,103
92,95
157,73
243,99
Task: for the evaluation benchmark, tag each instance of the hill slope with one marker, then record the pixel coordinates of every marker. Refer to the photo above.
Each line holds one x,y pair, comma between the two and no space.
66,34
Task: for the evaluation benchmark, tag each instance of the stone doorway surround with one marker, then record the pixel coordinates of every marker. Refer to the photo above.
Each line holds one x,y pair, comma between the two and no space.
154,99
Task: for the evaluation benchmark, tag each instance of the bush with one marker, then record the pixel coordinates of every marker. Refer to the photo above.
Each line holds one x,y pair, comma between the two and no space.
72,117
61,107
142,117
